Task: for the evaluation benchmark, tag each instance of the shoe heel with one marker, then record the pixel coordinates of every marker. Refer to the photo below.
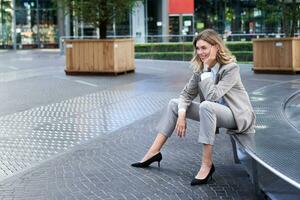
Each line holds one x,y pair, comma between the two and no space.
155,158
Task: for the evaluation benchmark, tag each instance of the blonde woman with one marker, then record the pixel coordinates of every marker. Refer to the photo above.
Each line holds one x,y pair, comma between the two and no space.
224,103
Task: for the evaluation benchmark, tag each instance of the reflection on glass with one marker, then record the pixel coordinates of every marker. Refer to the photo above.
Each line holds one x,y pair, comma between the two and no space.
48,26
5,23
36,23
176,27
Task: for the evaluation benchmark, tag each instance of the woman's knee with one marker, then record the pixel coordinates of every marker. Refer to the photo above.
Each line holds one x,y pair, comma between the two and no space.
173,104
206,106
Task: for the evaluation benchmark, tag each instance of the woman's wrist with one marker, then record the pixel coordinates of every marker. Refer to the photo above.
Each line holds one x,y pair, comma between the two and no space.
181,115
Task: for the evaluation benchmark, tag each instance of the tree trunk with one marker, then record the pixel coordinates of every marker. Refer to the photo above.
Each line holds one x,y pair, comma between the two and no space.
103,29
285,21
221,16
236,24
294,19
205,10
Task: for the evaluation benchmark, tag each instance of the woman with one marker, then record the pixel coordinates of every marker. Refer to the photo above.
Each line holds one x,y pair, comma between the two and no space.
224,103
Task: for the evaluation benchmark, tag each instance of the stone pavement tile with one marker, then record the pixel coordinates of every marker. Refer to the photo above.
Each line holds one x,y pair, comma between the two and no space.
101,170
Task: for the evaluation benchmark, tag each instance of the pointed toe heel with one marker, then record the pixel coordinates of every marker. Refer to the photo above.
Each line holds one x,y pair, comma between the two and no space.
208,178
155,158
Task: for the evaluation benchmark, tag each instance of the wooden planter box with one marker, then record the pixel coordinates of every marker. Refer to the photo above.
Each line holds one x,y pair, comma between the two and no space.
96,56
276,55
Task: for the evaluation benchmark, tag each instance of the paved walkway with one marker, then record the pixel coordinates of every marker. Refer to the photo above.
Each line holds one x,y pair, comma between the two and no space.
74,137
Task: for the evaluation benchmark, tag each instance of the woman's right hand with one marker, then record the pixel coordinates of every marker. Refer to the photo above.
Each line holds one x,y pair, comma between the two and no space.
211,59
181,125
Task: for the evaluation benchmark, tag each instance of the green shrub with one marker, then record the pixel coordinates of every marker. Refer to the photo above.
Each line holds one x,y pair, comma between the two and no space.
239,46
241,56
164,47
184,47
184,56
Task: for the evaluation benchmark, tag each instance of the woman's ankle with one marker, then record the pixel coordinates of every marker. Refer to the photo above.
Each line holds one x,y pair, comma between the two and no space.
207,164
150,154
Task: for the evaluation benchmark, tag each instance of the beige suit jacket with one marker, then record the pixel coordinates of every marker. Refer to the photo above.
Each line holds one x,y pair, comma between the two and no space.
228,85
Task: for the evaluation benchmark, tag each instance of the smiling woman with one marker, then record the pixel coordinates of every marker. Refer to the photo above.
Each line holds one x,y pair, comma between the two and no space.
202,47
224,103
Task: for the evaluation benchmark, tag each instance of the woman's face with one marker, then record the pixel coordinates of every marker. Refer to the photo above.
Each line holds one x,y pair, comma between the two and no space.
203,49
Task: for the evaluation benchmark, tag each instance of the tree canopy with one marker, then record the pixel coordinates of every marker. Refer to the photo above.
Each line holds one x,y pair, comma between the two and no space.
287,12
99,13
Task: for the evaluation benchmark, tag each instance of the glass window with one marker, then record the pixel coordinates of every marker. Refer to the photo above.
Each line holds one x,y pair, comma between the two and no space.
48,26
36,23
5,23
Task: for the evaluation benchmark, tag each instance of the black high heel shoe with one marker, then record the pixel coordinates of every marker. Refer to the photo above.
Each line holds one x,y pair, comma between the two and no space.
155,158
206,179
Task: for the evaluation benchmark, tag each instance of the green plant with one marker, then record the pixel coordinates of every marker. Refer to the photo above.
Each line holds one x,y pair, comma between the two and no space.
164,47
99,13
239,46
184,51
187,46
186,56
241,56
287,12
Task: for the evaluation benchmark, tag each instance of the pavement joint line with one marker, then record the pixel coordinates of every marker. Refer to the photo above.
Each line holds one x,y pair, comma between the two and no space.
86,83
12,67
24,74
265,80
274,84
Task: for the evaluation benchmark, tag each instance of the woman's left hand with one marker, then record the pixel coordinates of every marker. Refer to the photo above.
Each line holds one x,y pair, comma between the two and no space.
181,126
211,60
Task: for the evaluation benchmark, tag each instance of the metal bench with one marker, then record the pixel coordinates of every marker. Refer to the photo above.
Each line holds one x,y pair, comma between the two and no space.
271,156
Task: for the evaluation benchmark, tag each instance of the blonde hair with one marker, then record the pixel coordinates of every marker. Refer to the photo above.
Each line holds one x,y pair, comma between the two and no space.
224,56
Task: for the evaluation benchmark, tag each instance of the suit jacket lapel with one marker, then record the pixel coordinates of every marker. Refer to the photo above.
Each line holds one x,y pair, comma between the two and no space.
218,76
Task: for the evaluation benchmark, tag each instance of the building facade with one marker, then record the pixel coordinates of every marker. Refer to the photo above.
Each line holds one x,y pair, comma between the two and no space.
28,22
41,23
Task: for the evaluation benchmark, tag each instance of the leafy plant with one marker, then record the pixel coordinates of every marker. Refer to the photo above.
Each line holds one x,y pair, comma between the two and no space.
99,13
287,12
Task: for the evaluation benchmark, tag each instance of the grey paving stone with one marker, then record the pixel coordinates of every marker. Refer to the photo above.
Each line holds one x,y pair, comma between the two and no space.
99,131
81,171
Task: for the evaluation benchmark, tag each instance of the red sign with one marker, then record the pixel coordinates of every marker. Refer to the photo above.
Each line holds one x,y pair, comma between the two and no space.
181,6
